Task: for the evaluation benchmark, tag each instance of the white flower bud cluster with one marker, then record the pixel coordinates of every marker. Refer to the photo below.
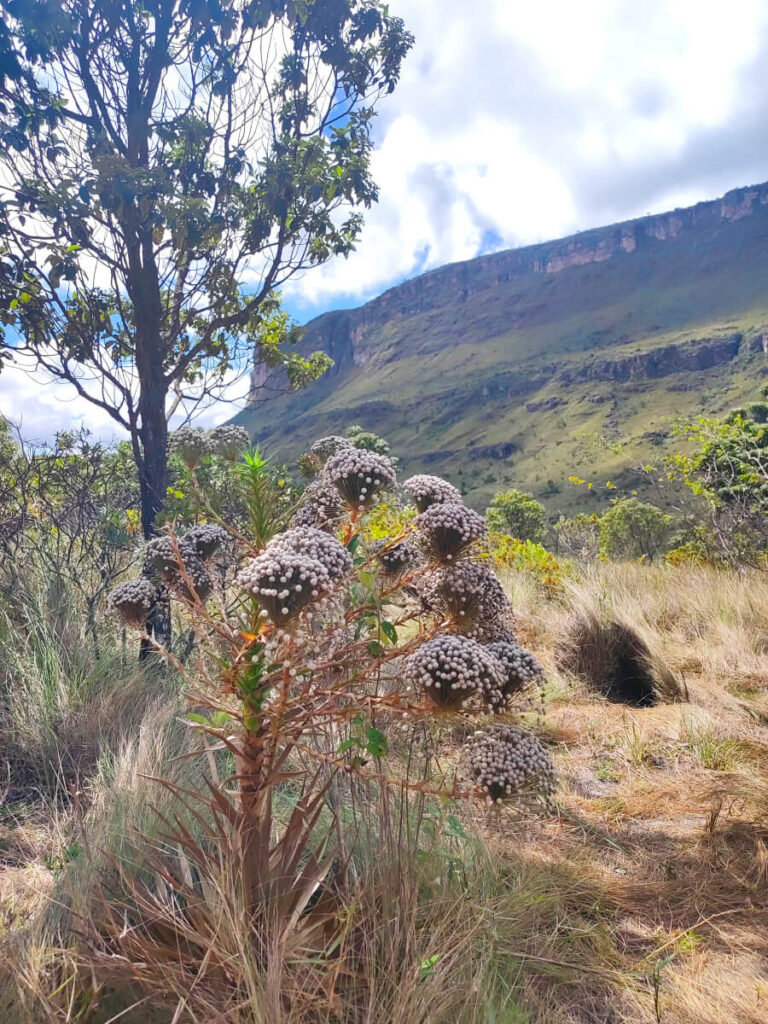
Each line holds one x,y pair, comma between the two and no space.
229,441
161,553
358,475
198,577
451,669
318,545
425,490
521,668
324,447
205,539
196,545
469,594
132,601
508,760
497,630
321,508
448,530
296,568
400,557
191,445
284,582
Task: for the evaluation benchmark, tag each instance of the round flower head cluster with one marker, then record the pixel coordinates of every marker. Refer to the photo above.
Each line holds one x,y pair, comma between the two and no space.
171,560
162,554
448,530
358,475
399,558
521,669
198,577
132,601
508,760
317,545
205,539
426,490
284,581
469,594
451,669
498,630
191,445
229,441
321,508
325,447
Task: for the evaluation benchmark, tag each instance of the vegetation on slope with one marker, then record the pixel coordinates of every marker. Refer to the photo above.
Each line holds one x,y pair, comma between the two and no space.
543,375
639,896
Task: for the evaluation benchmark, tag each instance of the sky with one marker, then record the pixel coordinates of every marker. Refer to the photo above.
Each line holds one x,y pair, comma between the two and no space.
518,122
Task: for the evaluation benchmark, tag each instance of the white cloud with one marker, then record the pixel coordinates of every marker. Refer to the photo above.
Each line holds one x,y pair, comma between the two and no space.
524,122
40,407
521,122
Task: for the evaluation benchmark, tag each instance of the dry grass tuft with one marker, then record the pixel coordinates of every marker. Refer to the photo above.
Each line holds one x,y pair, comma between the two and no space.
615,660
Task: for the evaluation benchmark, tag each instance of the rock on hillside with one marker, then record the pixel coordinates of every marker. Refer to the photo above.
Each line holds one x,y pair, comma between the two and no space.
568,357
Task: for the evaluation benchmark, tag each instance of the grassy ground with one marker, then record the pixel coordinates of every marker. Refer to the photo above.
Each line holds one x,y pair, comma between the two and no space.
665,809
644,898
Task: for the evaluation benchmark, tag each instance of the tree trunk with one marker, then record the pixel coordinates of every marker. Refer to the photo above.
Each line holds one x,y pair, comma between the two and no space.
253,837
153,474
145,292
154,483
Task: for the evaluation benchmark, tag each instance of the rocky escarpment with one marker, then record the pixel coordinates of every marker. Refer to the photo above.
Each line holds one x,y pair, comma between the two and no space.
345,334
701,354
514,369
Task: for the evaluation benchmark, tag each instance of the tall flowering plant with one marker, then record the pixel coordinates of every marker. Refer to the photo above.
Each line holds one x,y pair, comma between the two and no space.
317,652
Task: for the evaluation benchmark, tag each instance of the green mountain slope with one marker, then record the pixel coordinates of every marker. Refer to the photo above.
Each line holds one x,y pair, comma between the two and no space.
530,365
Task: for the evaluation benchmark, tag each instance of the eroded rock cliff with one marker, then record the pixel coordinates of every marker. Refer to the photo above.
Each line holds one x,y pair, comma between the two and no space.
494,371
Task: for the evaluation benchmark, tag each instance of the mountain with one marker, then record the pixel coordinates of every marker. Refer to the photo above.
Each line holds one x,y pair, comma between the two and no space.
564,358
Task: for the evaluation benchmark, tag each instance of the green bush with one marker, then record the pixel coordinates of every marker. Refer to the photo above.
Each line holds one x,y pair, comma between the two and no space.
519,515
634,529
728,474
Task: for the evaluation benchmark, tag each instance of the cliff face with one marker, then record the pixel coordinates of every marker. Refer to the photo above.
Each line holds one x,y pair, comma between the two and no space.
342,334
701,354
500,356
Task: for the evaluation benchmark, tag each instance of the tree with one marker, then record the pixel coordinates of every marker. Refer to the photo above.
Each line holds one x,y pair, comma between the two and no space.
167,165
728,473
361,438
518,514
631,528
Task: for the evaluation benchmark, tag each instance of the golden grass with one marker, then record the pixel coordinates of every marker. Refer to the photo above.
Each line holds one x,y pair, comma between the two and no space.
669,804
644,900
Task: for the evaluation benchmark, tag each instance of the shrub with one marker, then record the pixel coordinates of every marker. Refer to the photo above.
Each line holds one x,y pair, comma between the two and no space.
634,529
518,514
527,557
728,474
366,440
693,553
307,677
579,536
